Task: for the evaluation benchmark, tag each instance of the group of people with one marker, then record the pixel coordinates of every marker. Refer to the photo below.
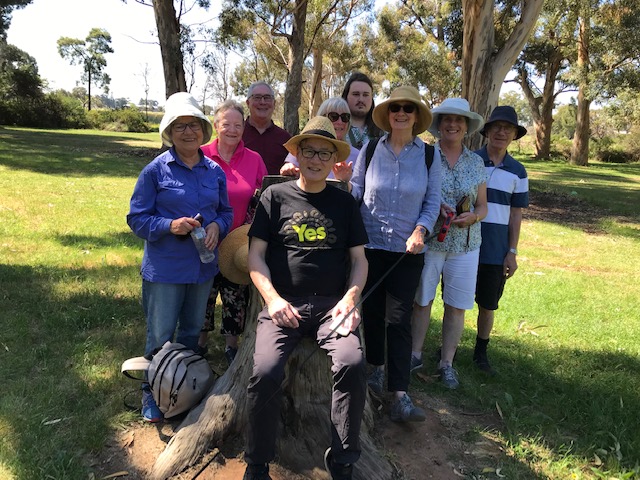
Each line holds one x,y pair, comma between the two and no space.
323,258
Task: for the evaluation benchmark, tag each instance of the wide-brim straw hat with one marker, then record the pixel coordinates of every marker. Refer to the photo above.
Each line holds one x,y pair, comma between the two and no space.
403,94
505,113
233,254
182,104
320,128
455,106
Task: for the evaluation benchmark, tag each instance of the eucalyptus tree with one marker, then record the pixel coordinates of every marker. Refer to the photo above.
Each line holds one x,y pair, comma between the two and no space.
6,8
90,54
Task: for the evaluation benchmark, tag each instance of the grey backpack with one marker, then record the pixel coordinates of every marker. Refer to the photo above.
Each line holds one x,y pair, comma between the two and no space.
179,378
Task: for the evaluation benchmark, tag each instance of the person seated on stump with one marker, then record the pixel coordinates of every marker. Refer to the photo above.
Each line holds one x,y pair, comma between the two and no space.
307,260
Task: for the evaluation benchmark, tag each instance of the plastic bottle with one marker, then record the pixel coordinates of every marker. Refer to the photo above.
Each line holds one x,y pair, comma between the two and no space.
198,234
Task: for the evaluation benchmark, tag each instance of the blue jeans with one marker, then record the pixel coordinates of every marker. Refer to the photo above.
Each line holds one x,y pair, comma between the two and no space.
168,306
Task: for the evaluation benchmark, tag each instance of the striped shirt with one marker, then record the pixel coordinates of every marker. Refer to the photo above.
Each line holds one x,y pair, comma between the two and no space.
507,186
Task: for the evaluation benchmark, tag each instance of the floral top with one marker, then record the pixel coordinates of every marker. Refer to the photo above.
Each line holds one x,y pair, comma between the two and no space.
463,179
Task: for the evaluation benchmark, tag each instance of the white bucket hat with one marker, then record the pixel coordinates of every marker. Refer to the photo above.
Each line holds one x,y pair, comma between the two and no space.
455,106
182,104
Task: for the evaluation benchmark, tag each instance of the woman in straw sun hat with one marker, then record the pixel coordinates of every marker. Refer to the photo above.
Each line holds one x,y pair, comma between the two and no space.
400,204
244,170
455,260
170,191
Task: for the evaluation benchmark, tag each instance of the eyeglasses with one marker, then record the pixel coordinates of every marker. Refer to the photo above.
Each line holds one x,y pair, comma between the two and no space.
334,116
181,127
406,108
262,98
324,155
505,127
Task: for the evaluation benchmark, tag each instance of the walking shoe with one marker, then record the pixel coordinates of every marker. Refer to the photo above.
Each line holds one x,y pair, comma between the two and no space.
481,361
230,354
257,471
416,364
449,377
150,411
338,471
403,410
376,381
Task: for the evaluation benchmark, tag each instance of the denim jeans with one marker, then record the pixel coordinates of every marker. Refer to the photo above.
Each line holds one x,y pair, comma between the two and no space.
171,306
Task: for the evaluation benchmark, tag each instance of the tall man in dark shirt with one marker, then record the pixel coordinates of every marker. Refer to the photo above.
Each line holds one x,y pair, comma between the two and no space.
260,133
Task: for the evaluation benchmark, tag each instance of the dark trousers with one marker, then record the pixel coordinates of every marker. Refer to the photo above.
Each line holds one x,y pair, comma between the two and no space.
274,344
386,313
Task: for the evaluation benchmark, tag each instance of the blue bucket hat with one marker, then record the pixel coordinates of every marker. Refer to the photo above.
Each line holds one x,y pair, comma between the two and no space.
504,113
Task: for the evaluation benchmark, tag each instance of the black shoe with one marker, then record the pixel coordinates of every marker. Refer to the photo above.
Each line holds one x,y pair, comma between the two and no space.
230,354
338,471
481,361
257,471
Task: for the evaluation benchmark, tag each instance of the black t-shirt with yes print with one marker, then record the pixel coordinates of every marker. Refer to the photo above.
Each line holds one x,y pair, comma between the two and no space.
309,237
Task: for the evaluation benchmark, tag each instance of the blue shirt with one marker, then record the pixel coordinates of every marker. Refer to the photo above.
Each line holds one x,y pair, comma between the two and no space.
507,186
464,178
168,189
399,193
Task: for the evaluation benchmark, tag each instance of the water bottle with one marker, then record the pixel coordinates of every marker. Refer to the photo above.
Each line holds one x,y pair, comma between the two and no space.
198,234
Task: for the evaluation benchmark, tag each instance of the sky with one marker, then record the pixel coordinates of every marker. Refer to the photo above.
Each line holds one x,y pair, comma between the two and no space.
37,28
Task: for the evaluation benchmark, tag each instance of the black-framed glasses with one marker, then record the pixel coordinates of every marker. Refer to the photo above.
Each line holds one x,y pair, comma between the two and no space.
324,155
181,127
407,107
334,116
264,98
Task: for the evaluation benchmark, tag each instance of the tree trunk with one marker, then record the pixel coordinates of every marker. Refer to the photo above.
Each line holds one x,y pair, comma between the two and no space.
316,86
170,47
305,427
580,147
484,66
293,90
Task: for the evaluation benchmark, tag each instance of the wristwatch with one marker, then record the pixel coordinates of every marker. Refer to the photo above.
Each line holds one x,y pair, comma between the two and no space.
423,230
513,250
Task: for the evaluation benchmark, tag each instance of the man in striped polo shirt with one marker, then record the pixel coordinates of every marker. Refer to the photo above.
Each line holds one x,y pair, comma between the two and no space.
507,195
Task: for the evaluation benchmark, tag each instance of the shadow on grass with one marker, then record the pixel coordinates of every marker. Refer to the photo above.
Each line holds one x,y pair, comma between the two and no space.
59,359
556,403
81,155
90,242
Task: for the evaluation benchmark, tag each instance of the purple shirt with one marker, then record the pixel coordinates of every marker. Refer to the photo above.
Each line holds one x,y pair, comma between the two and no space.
244,174
268,144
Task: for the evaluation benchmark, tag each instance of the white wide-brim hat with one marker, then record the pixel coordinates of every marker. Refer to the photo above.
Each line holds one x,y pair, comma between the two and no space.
182,104
455,106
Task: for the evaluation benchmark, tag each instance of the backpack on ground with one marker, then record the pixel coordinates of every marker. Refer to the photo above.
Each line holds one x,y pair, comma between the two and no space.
178,377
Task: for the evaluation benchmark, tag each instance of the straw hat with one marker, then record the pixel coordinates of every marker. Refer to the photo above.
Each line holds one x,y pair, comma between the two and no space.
321,128
455,106
233,253
182,104
505,113
403,94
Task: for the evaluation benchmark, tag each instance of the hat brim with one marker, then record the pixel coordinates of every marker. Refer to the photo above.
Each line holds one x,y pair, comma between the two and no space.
475,120
343,148
232,256
189,111
381,114
521,130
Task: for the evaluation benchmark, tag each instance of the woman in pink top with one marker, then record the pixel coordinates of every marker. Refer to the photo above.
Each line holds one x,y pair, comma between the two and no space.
244,169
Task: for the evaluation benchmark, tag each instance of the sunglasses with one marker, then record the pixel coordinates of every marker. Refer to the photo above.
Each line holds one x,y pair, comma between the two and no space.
334,116
406,108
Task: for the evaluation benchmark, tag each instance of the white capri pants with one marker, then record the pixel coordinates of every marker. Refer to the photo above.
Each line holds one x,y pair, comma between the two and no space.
459,272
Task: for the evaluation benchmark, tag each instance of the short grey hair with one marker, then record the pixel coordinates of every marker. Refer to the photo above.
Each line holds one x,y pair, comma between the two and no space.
254,85
226,106
333,104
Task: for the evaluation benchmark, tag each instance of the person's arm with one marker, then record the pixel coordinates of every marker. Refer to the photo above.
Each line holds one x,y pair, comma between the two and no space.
220,226
282,313
430,210
357,280
510,264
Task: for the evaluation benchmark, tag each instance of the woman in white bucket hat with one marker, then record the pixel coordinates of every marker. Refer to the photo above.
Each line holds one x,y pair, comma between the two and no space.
454,260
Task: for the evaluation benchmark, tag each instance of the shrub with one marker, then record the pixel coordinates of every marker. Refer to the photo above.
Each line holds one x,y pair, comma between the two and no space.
126,120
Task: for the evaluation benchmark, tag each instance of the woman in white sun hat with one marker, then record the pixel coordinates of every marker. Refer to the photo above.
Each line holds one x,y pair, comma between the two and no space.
170,191
454,260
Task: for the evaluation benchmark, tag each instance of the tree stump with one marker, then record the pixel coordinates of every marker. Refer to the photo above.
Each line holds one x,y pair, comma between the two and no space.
305,423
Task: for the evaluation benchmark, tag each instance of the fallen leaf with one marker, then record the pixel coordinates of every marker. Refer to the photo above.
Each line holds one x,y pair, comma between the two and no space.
128,440
122,473
499,410
52,422
498,473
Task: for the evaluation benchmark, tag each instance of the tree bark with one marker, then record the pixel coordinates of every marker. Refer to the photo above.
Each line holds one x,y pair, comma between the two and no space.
293,92
580,147
170,47
316,86
484,66
305,427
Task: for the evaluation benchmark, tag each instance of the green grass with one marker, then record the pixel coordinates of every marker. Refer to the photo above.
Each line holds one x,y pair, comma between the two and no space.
566,341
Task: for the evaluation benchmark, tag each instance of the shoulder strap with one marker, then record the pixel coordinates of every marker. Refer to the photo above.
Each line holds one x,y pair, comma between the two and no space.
371,147
429,151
